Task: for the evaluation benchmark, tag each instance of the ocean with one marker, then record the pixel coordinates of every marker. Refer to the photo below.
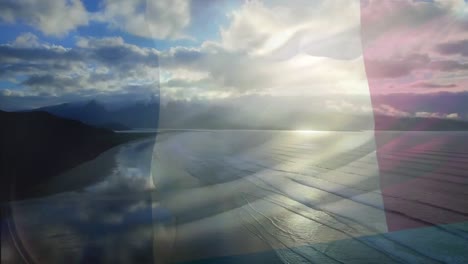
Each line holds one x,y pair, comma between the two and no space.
236,196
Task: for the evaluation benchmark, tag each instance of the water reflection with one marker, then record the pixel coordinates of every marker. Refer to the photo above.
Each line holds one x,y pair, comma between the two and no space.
258,196
131,173
312,197
108,222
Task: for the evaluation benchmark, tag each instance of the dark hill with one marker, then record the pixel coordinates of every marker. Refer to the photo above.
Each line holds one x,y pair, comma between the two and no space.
36,146
131,116
91,112
418,124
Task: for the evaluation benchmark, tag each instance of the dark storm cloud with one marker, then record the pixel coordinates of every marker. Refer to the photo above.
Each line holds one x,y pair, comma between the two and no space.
183,56
10,53
204,83
111,56
399,67
448,65
31,67
40,80
50,82
99,64
433,85
117,55
454,48
437,102
396,67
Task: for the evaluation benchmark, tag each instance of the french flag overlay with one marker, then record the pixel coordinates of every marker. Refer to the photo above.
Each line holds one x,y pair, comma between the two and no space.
325,196
256,131
421,176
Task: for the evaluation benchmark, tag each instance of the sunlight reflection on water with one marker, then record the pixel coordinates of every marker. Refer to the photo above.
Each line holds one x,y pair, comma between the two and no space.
284,196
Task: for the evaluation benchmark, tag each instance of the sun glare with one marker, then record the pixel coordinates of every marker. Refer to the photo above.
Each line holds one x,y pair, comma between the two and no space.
305,131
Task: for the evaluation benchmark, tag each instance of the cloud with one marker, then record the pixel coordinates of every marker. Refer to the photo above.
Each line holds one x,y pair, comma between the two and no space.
49,82
319,28
26,40
158,19
458,8
92,66
389,110
441,103
401,27
448,65
395,67
8,92
436,115
433,85
265,48
348,106
409,46
155,19
52,17
454,48
271,48
453,116
238,73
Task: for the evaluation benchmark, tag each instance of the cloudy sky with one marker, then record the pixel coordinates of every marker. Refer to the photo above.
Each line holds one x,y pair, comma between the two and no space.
54,51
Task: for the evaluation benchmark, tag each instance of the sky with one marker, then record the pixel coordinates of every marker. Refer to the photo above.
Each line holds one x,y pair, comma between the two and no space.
55,51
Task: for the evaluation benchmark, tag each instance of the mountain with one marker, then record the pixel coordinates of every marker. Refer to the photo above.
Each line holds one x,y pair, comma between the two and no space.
130,116
138,115
202,116
36,146
418,124
92,112
265,114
